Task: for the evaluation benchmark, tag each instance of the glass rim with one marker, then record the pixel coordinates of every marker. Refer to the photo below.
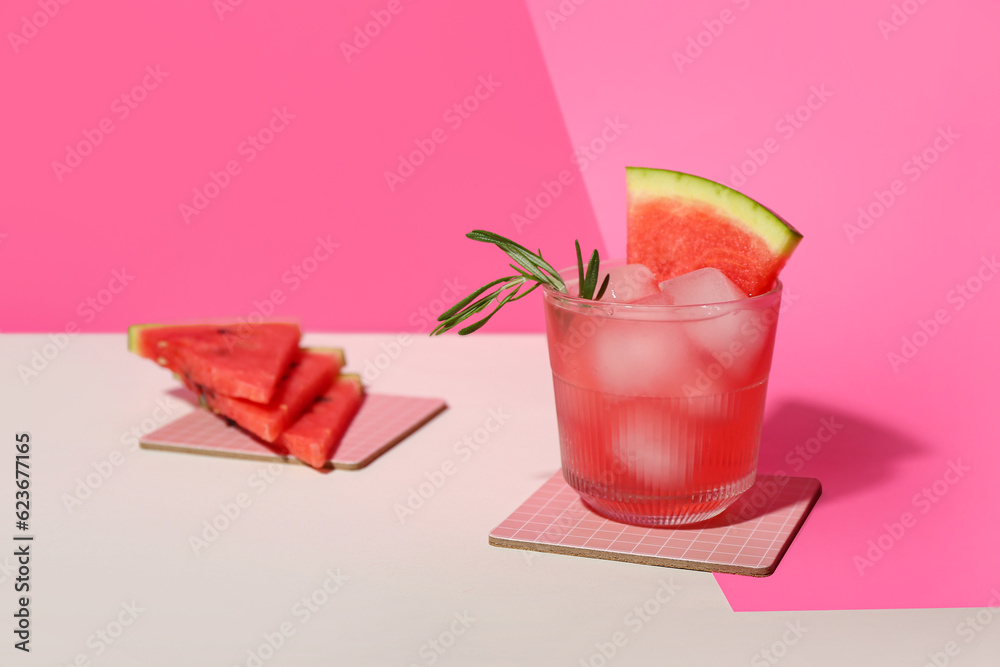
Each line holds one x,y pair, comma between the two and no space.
580,302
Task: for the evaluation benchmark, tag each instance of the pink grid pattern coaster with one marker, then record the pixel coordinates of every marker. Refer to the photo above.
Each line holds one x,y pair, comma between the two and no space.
382,422
748,538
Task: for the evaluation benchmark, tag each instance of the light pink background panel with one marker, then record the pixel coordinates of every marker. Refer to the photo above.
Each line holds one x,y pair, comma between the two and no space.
817,109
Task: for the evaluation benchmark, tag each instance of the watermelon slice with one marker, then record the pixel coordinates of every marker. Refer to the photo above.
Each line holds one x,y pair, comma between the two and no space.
312,438
309,375
678,223
234,360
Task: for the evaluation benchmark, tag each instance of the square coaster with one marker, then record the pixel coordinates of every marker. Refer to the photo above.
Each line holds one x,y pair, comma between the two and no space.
382,421
749,538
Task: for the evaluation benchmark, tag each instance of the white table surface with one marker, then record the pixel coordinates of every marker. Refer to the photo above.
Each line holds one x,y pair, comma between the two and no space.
402,584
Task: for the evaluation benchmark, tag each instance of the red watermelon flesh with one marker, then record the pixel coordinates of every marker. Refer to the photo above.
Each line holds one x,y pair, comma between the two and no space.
235,360
313,437
678,223
309,375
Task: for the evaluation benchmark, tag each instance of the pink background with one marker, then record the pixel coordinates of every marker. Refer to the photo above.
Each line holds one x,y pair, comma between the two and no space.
557,85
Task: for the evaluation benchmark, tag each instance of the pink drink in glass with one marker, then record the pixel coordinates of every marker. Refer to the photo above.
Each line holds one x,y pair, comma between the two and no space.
660,407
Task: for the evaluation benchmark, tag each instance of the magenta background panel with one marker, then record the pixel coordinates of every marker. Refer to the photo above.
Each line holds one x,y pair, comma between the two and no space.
306,216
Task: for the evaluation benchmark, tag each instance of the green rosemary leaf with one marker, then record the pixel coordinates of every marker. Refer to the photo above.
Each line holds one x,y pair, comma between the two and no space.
476,306
527,292
530,268
521,254
448,314
592,269
521,271
517,252
465,314
604,286
478,325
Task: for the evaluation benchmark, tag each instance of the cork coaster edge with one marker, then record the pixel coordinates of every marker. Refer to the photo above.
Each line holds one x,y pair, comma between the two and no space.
632,558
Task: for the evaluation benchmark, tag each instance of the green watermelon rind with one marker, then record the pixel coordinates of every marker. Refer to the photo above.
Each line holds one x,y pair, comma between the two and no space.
645,184
134,334
352,377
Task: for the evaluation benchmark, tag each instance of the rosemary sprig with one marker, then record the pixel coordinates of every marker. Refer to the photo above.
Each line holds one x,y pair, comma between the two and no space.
588,280
530,268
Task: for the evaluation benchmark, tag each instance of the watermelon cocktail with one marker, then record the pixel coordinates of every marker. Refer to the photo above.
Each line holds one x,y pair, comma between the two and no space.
660,366
659,406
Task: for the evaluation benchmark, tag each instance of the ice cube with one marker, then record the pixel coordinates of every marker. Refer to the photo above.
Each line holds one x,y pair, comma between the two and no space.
629,283
638,358
655,446
728,333
708,285
717,332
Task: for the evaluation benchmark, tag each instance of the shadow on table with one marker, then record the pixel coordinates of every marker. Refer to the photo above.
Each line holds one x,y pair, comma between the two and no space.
186,395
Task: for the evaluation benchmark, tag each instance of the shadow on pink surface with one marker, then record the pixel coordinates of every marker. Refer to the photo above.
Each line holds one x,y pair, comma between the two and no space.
847,453
866,544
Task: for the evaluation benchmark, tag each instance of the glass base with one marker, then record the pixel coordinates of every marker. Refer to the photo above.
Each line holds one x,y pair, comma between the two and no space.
665,511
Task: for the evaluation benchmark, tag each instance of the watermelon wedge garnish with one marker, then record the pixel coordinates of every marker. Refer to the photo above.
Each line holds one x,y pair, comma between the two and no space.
234,360
308,376
678,223
312,438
